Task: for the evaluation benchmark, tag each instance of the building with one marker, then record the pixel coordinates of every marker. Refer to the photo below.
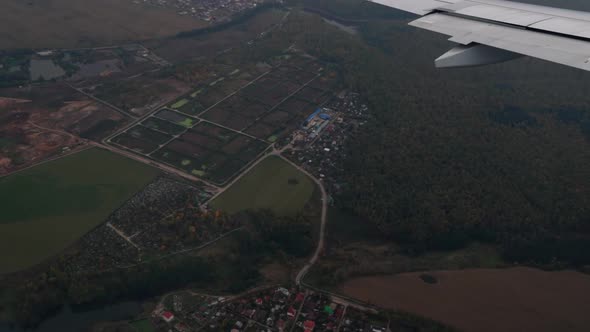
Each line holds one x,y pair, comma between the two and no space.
308,326
167,316
311,117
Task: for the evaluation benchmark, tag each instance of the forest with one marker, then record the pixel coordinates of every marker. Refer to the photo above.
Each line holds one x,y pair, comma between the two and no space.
497,154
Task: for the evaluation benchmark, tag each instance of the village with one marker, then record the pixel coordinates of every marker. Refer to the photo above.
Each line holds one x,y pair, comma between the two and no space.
206,10
272,308
318,146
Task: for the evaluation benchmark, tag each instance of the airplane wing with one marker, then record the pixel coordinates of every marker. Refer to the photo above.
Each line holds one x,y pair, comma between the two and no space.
492,31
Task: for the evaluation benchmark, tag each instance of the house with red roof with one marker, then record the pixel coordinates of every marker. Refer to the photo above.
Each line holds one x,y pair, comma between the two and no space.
308,326
167,316
291,312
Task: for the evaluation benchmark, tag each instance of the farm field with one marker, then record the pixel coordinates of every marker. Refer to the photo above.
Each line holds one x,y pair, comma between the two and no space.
230,116
273,184
516,299
48,207
71,23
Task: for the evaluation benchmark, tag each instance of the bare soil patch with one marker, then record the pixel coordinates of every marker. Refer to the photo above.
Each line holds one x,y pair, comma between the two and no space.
516,299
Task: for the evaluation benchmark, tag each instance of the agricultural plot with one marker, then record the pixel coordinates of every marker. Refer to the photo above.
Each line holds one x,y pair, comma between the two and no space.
65,198
163,126
236,112
176,118
269,91
135,144
273,184
238,120
190,107
210,96
141,139
313,95
210,152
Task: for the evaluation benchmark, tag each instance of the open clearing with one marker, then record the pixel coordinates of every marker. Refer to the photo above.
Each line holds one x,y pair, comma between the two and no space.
272,184
73,23
516,299
48,207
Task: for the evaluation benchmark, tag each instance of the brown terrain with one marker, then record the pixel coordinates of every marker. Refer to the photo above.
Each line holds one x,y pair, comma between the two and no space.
47,122
87,23
516,299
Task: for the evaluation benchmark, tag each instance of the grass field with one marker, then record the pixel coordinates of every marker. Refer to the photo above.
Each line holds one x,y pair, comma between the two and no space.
268,186
143,325
73,23
48,207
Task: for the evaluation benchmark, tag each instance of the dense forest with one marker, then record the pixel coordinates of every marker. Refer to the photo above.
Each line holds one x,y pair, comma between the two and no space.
497,154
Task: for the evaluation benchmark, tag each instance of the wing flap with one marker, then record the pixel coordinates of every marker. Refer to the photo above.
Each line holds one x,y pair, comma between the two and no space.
418,7
566,51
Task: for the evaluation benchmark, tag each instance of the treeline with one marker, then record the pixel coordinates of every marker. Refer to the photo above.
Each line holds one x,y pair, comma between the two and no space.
265,236
349,10
456,156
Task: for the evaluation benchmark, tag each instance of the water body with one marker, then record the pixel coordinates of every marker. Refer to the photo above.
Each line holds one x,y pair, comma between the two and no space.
46,69
346,28
97,68
78,321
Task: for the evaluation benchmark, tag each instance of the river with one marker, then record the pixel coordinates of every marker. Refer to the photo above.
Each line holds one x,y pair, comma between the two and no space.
81,320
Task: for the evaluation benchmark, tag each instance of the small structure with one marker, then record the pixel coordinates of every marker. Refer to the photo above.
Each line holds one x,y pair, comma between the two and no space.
167,316
300,296
311,117
291,312
308,326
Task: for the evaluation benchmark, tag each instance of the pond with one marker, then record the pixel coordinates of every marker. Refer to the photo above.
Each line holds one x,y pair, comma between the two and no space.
75,320
45,69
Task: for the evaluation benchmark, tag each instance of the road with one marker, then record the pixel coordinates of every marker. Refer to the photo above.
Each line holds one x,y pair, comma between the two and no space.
121,234
324,219
104,102
162,167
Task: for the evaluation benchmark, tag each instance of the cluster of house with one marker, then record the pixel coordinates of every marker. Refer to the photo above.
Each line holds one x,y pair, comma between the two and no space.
207,10
278,309
323,155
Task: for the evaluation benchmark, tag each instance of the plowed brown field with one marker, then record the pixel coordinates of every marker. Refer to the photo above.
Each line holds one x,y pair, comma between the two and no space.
481,300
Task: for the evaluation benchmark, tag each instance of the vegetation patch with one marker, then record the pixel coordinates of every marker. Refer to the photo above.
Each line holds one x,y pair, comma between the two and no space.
428,278
48,207
180,103
267,187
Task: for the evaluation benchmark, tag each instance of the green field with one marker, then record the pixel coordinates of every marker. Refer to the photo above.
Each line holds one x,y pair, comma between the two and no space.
180,103
48,207
267,186
143,325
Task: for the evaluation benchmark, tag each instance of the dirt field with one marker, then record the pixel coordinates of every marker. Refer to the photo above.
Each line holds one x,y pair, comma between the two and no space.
45,121
516,299
73,23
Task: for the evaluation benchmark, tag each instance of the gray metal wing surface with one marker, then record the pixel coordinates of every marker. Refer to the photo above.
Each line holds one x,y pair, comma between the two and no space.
490,31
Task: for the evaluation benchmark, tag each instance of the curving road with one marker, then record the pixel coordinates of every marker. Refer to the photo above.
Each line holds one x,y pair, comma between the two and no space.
320,247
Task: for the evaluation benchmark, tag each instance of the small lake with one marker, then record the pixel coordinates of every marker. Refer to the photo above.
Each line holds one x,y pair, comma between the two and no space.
81,320
46,69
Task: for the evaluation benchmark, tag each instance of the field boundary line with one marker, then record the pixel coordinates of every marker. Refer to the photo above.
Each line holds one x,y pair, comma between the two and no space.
82,148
